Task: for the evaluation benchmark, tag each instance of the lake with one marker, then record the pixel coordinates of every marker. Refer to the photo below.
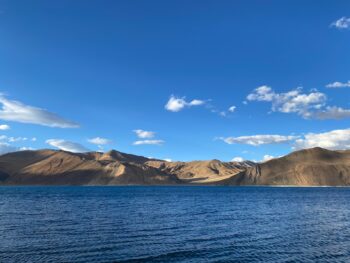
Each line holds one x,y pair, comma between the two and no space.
174,224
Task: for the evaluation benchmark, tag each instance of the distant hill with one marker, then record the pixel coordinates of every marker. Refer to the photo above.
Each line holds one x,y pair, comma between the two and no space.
200,172
315,166
48,167
310,167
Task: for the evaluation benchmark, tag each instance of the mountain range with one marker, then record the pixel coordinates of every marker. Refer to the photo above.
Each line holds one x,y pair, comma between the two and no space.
309,167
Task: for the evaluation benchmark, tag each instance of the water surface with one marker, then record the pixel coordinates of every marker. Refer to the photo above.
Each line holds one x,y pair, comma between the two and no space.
174,224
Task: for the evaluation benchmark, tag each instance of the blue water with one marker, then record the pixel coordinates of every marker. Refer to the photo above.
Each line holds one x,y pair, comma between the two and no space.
174,224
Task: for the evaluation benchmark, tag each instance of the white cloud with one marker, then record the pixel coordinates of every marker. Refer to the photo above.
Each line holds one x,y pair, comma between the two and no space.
262,93
341,23
144,134
176,104
99,141
34,139
290,102
196,103
338,84
168,160
4,127
6,147
237,159
232,109
332,113
225,113
16,111
150,142
257,140
17,139
267,158
26,149
333,140
67,145
309,106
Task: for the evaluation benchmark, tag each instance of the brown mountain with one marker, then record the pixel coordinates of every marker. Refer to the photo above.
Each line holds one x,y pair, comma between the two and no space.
311,167
200,172
48,167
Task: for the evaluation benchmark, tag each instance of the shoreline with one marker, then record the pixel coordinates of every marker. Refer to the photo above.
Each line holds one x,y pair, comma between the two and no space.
160,186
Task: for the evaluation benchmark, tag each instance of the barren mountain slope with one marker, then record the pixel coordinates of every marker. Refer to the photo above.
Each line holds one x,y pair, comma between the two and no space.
197,172
310,167
65,168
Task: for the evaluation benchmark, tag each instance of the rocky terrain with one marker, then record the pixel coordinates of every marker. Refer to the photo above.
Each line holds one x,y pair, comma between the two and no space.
315,166
310,167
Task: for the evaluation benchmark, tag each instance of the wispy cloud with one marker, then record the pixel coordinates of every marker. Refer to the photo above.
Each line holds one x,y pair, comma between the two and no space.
341,23
144,134
18,112
67,145
11,139
176,104
99,141
338,84
149,142
257,140
17,139
224,113
333,140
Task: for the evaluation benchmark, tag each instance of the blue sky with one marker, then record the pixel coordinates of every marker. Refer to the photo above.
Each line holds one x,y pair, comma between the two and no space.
159,78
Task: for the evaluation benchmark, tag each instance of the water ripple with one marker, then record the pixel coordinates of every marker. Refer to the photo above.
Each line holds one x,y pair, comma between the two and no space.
174,224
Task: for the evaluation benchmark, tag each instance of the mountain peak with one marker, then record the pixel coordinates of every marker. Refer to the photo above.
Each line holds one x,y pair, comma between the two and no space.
315,166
